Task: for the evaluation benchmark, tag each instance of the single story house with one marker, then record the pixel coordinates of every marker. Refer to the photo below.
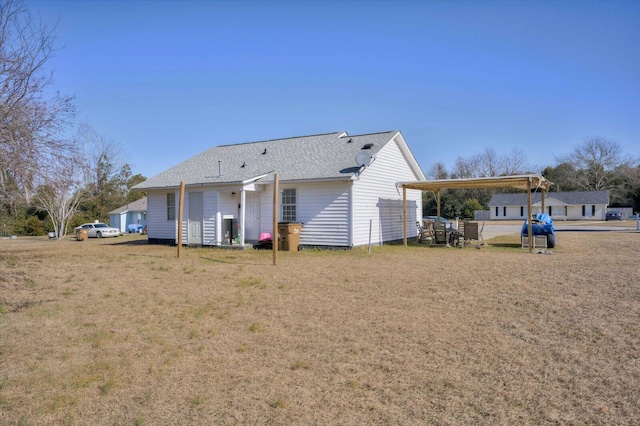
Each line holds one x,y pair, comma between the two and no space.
130,213
574,205
341,187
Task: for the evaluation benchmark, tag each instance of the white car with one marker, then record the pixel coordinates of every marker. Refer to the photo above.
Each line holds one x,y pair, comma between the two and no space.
97,230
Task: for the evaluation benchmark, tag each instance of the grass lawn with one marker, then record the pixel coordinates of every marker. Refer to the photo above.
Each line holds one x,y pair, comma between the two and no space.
121,332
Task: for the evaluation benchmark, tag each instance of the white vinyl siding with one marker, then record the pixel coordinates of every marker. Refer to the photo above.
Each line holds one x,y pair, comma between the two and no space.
266,209
322,208
158,225
378,202
210,210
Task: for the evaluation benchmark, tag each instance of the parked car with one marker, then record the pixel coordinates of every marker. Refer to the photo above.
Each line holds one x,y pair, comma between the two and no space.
446,222
97,230
541,224
613,216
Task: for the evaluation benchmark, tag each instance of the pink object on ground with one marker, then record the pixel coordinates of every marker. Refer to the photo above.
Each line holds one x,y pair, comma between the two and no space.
264,236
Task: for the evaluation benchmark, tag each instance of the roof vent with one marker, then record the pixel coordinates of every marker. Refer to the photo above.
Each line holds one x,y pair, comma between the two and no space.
243,164
350,140
367,146
264,152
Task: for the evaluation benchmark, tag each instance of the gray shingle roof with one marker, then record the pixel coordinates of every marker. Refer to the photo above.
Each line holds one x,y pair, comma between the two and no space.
136,206
326,156
570,198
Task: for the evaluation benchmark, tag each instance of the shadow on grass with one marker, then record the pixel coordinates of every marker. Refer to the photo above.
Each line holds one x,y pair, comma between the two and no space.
137,242
507,245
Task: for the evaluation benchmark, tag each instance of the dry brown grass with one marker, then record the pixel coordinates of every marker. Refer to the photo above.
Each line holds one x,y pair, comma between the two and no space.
109,332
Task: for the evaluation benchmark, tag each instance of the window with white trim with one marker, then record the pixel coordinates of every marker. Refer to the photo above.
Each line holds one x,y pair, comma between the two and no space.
171,206
288,204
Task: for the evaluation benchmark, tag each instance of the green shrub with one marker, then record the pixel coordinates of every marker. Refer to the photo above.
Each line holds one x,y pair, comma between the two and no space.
34,226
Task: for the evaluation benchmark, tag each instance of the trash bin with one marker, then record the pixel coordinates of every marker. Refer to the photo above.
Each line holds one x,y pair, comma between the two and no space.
82,234
289,236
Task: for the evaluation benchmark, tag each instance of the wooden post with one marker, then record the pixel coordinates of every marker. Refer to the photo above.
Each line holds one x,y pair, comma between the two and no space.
404,214
274,237
180,215
530,227
542,195
438,205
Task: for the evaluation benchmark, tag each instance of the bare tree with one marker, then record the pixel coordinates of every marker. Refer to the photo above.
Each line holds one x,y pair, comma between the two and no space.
596,163
31,117
438,171
87,173
490,163
62,191
25,48
102,155
514,163
465,168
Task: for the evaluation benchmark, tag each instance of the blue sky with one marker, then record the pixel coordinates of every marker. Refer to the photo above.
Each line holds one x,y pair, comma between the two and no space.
167,79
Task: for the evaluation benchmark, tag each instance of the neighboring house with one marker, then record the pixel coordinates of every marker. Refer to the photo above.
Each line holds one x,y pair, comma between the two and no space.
131,213
341,188
559,205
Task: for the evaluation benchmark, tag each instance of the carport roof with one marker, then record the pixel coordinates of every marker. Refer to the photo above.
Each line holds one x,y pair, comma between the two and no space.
516,181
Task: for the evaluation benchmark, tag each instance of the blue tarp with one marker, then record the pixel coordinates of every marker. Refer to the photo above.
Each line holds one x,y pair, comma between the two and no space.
542,224
134,227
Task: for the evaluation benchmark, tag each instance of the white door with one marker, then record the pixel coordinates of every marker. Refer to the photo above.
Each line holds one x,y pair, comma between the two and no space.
252,216
195,218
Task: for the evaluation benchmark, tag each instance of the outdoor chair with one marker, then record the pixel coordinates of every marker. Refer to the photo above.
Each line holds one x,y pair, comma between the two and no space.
423,233
439,234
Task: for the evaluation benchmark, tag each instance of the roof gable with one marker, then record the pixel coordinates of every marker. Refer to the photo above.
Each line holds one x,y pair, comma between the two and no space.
326,156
